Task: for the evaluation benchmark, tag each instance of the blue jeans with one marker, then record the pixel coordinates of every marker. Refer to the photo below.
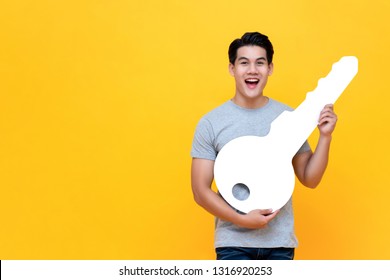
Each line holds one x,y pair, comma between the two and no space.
240,253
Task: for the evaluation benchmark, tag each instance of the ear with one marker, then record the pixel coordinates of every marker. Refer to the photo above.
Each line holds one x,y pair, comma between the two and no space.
231,69
271,68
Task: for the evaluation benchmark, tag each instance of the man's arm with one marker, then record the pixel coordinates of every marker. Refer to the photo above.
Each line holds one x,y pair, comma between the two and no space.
202,175
310,167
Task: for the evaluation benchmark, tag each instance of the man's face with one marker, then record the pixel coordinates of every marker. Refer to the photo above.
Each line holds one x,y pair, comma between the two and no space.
250,71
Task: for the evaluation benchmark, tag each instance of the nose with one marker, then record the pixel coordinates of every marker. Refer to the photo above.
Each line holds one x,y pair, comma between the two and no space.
252,68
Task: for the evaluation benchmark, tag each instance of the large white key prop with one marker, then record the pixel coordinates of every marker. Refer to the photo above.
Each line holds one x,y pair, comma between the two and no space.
263,165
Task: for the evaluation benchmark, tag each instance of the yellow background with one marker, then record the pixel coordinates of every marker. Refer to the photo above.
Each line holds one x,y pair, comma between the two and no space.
98,105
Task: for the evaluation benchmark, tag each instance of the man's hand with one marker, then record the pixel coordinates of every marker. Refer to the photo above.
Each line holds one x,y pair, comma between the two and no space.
257,218
201,177
310,167
327,120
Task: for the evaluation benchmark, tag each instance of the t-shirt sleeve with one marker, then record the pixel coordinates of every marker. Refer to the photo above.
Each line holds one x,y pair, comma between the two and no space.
202,144
304,148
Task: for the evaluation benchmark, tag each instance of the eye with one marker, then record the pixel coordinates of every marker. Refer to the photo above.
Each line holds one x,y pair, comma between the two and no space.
243,62
260,63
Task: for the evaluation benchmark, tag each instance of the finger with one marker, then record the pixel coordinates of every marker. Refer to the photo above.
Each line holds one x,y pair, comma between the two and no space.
331,118
327,112
330,115
265,211
327,122
329,106
271,216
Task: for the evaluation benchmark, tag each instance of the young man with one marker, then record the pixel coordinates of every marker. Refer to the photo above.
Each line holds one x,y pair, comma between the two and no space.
261,233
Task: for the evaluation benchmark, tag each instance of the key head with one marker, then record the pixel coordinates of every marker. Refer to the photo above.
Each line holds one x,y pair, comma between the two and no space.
250,174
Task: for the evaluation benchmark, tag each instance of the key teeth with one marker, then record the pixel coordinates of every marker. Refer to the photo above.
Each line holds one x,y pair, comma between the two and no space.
310,94
347,64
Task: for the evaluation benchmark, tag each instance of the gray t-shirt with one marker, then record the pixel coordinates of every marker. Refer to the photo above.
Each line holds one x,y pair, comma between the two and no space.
213,131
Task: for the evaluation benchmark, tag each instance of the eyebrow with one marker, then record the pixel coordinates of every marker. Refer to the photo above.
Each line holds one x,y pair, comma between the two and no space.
245,58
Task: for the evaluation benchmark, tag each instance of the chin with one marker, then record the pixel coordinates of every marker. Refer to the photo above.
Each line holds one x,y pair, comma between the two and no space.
253,95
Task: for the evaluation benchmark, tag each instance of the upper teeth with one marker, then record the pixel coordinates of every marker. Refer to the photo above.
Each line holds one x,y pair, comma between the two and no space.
252,80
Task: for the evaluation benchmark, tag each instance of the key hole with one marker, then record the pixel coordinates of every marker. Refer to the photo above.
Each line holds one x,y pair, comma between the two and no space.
241,191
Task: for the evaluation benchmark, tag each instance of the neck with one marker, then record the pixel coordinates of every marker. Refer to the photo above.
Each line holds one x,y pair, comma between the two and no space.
252,103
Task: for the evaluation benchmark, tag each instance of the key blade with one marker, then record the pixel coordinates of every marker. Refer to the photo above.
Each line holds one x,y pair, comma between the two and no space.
298,125
330,88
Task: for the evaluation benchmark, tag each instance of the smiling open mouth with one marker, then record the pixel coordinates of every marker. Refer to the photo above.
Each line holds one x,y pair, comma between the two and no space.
252,83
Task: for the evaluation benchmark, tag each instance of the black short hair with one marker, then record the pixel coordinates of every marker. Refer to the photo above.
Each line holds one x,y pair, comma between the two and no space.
251,39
